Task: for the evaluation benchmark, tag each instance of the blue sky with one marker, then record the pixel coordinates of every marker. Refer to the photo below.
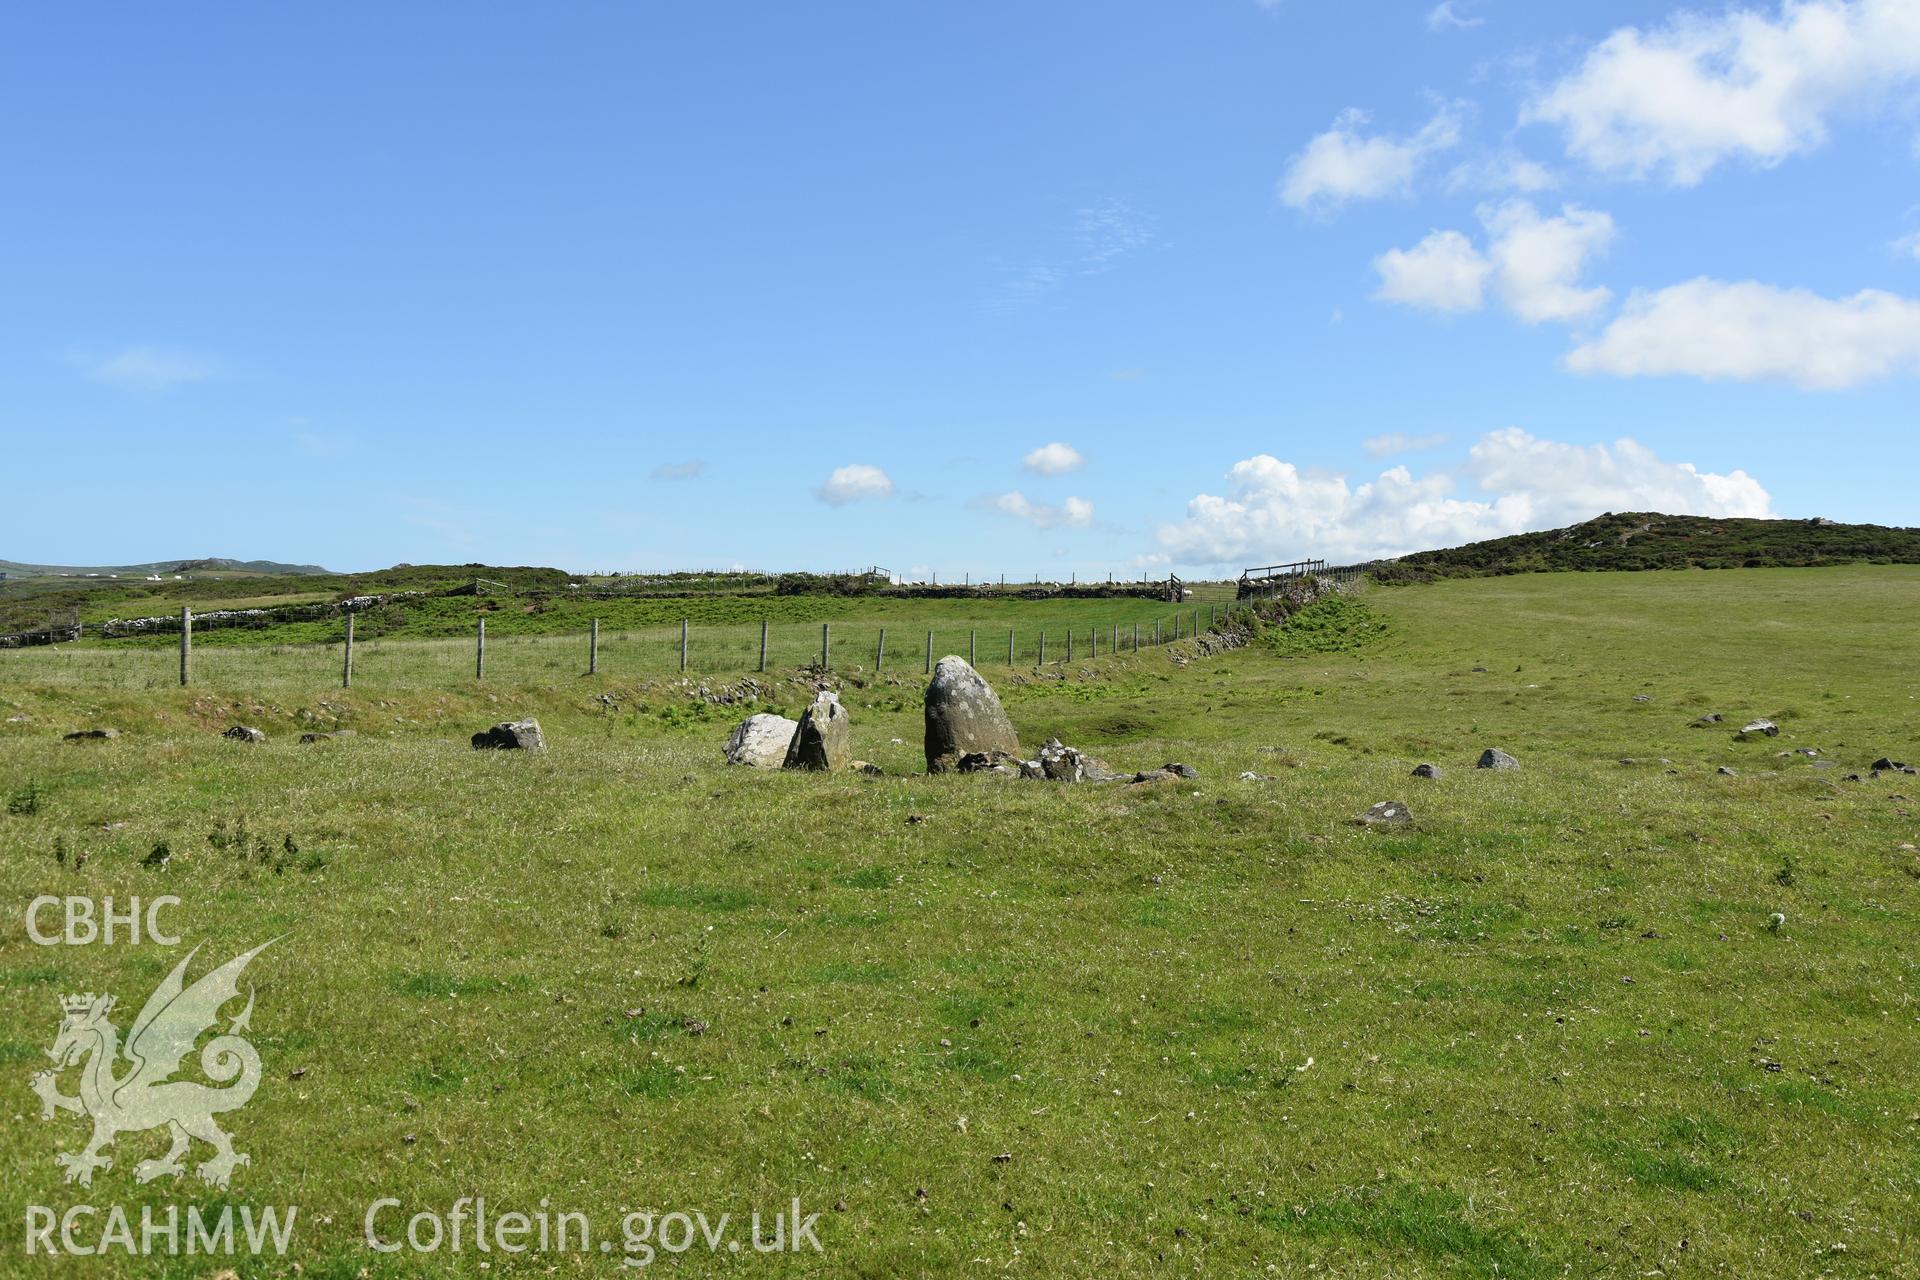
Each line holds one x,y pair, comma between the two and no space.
983,288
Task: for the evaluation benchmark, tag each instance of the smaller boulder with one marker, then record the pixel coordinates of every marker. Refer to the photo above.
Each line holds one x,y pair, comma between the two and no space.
1725,772
91,735
761,741
1760,729
1179,770
1494,758
308,739
511,735
1426,771
244,733
1388,813
1885,765
988,762
1642,697
1711,718
867,767
1060,763
823,740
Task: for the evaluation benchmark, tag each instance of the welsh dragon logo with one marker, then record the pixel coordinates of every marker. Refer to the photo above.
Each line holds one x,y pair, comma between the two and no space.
142,1096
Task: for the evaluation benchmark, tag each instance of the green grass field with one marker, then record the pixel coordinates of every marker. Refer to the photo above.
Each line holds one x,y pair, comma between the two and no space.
988,1026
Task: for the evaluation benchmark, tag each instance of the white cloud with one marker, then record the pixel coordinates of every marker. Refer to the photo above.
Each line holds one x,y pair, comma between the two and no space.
1273,511
1534,263
1443,17
1679,99
689,470
1908,246
1398,442
1344,164
1074,513
144,368
1501,172
1444,272
1054,459
1747,331
855,483
1537,260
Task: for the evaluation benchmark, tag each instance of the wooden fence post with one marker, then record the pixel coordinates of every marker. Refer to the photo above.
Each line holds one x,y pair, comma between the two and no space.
186,644
1009,641
763,644
826,647
1069,644
1156,631
929,653
593,649
480,650
346,663
1043,650
880,651
973,648
1136,637
683,644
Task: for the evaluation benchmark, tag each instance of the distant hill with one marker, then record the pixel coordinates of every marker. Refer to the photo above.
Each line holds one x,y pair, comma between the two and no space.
1653,541
203,567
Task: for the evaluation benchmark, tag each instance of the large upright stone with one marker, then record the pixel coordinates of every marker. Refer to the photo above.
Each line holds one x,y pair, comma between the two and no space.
761,741
964,717
824,738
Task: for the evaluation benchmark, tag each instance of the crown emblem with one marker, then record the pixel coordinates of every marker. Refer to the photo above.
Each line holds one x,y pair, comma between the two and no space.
76,1004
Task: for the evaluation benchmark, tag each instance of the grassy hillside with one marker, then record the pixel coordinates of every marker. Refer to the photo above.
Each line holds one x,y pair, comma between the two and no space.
1652,541
1208,1028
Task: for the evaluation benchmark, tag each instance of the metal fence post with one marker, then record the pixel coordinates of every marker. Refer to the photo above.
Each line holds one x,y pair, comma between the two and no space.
186,645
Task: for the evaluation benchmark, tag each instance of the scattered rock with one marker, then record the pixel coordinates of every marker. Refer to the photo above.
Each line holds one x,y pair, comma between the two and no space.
1884,765
1760,728
1479,671
1725,772
308,739
1641,697
1179,770
761,741
867,767
964,717
989,762
1711,718
1150,776
244,733
1427,771
88,735
1066,764
511,735
1251,776
1388,813
1494,758
824,739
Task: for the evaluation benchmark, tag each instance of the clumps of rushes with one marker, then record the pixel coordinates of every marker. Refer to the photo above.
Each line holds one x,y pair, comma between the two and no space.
25,802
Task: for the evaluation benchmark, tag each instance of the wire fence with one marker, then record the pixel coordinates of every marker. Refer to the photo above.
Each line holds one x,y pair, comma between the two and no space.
696,651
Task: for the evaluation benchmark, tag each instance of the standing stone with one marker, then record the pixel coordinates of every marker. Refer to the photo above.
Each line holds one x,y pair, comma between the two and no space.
761,741
1494,758
824,739
511,735
964,717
